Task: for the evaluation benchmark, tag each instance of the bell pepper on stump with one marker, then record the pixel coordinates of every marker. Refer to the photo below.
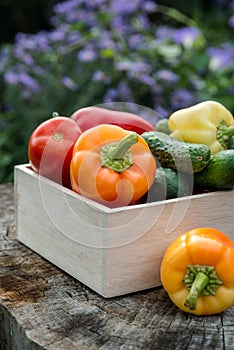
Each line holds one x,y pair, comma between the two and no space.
112,166
208,122
197,271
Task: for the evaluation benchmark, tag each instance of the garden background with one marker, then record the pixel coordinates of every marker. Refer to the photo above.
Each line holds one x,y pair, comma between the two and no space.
61,56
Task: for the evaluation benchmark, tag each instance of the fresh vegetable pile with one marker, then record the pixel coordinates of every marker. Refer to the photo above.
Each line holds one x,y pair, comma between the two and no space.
197,145
96,152
111,156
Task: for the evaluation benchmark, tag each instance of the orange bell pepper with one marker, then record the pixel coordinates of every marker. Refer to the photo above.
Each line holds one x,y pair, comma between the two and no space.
197,271
112,166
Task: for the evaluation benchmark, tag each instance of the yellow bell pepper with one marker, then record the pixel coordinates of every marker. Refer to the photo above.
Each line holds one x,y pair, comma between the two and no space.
208,122
197,271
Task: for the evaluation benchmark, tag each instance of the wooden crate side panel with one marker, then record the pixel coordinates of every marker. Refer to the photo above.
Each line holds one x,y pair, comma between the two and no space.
135,264
37,230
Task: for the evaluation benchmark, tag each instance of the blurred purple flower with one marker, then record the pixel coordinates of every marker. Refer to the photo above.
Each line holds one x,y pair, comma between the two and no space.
134,69
73,36
125,93
39,70
66,6
181,98
29,82
120,25
60,33
121,93
164,33
69,83
95,4
167,76
100,76
146,79
124,7
83,17
139,70
149,6
163,112
196,83
42,41
231,21
136,41
25,41
24,56
123,65
11,77
87,55
31,42
111,95
143,22
186,36
140,67
74,16
221,57
107,41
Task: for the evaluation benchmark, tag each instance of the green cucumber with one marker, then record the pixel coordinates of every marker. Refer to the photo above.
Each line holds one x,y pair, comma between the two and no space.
175,154
219,173
168,184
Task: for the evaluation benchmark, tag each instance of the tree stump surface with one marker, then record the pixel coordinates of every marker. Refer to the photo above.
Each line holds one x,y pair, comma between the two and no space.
41,307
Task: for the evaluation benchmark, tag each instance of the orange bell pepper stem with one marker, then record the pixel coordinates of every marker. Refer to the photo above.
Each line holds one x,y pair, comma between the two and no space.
117,156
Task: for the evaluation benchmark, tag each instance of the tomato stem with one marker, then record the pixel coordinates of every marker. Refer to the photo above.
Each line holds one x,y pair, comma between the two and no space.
117,156
55,114
200,280
58,136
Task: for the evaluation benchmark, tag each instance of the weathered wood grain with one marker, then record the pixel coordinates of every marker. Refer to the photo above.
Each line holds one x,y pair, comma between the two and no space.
41,307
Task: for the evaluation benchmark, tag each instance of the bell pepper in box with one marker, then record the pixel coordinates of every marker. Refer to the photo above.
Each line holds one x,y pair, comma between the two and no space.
89,117
208,122
197,271
112,166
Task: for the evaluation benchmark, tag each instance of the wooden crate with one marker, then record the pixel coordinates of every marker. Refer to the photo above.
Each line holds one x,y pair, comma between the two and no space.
112,251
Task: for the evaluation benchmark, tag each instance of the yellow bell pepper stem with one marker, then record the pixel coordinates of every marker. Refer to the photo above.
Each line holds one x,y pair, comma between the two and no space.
200,280
224,133
208,123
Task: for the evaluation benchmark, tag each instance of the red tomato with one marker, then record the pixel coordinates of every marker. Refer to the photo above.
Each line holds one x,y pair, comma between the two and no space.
89,117
50,148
